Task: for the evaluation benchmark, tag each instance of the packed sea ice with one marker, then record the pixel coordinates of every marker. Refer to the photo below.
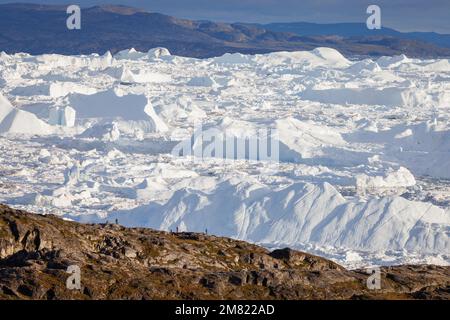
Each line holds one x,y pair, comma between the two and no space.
362,167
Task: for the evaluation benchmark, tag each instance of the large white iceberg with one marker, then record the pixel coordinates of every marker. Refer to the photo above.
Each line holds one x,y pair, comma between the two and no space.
13,120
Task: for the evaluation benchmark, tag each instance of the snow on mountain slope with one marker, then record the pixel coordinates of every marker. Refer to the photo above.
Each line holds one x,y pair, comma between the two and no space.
363,155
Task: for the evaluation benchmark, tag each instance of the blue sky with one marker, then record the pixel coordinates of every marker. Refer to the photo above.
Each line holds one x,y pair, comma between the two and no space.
404,15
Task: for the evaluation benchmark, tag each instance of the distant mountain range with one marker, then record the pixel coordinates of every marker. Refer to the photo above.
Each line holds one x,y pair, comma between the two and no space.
356,30
38,29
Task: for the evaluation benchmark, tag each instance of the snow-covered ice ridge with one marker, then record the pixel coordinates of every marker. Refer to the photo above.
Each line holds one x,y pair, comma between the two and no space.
364,170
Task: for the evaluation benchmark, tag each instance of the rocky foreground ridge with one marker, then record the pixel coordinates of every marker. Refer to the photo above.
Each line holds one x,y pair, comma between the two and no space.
124,263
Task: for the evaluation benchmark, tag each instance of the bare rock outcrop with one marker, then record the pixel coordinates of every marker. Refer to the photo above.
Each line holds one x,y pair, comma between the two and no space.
124,263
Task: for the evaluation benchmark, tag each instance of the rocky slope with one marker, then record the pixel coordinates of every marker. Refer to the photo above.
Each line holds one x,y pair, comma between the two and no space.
124,263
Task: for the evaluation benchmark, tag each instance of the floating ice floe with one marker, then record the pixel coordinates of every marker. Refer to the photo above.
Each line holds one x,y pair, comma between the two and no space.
183,109
363,153
61,89
133,54
202,82
108,105
392,179
62,116
54,90
286,140
300,213
392,97
130,77
319,57
95,62
13,120
157,53
105,132
395,61
232,58
129,54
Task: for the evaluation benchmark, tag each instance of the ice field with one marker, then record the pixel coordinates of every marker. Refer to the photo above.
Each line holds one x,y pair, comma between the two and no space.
362,174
